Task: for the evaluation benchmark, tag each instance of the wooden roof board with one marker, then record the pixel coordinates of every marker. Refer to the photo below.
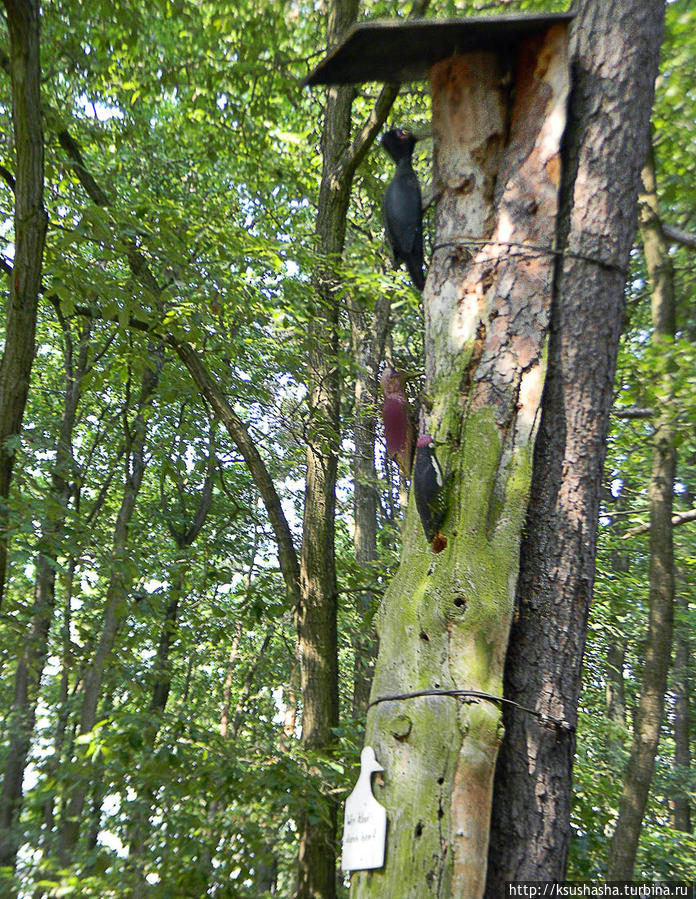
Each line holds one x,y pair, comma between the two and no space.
391,50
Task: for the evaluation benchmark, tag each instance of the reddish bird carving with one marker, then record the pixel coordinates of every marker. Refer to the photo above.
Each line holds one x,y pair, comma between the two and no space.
399,427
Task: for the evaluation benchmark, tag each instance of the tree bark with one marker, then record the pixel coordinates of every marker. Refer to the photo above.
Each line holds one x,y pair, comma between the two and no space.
445,618
615,690
32,659
650,710
316,612
317,640
614,57
120,578
30,221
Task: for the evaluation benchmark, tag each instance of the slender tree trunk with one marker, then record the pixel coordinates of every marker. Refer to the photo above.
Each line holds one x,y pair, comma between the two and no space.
368,348
32,659
616,697
63,713
29,234
60,749
681,811
615,691
614,57
316,614
97,792
231,732
141,808
649,713
116,606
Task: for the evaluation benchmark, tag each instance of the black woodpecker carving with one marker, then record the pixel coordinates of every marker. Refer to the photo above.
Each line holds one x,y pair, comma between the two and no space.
403,213
429,489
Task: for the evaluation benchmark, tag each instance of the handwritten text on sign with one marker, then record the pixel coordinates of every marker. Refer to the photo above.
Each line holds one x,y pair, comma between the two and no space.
365,828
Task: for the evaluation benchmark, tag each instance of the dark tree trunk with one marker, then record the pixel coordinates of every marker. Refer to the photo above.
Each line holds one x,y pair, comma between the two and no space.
29,234
614,52
32,659
649,712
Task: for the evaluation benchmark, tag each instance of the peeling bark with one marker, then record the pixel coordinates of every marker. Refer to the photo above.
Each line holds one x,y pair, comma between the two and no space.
445,619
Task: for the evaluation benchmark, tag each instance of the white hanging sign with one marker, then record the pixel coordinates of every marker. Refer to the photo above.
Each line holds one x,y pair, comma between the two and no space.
365,827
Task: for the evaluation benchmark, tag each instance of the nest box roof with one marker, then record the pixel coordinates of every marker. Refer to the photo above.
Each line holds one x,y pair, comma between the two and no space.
405,49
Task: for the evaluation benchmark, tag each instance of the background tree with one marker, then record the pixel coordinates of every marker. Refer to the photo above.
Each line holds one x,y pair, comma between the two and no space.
24,275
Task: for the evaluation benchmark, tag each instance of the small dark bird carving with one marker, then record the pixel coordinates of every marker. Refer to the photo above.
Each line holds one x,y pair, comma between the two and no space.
429,489
403,212
399,427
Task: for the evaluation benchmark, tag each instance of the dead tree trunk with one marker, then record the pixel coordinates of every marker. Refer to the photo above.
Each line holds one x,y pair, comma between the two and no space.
649,712
445,619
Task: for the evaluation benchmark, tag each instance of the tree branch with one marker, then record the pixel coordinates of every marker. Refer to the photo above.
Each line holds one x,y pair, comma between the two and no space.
218,402
136,260
679,518
631,412
357,151
7,177
93,190
678,235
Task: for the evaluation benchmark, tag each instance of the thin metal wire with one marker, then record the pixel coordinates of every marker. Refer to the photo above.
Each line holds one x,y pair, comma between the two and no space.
475,695
531,250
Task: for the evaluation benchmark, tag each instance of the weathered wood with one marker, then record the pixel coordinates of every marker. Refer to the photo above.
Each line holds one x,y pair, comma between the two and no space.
397,50
446,619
